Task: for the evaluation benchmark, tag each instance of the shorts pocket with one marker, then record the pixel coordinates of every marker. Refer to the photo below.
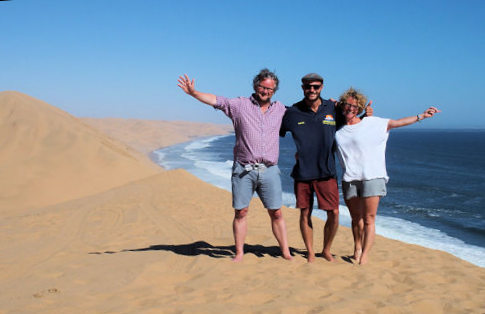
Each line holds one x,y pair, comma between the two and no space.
237,169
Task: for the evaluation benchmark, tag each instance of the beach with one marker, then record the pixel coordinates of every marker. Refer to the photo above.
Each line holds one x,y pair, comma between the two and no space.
90,224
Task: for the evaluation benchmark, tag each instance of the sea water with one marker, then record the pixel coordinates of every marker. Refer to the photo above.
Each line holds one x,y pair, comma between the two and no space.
436,191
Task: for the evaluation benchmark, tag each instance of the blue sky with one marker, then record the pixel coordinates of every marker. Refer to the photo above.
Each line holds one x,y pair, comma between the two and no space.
122,58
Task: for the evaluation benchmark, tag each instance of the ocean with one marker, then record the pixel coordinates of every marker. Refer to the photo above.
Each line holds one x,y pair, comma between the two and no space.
436,191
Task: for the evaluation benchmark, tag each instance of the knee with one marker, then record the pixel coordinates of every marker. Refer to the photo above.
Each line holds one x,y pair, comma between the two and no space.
275,214
305,214
357,218
369,219
332,215
240,213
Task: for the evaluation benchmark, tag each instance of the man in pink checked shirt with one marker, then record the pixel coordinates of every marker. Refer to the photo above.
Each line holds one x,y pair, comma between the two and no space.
257,122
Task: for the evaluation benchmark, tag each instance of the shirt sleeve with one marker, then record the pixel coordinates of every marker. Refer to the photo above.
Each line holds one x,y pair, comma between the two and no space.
383,122
284,123
227,105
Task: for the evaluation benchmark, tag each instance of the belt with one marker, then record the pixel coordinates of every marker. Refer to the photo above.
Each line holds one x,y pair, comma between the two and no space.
256,166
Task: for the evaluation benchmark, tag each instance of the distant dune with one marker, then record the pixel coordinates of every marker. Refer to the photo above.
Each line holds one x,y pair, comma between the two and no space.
149,135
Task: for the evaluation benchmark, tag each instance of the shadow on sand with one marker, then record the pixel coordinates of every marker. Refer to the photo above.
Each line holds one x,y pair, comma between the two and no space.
204,248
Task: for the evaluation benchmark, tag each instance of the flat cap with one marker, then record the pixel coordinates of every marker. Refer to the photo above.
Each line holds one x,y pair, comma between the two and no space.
310,77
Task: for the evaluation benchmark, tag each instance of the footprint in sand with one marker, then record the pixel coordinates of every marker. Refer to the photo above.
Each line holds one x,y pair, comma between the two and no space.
46,292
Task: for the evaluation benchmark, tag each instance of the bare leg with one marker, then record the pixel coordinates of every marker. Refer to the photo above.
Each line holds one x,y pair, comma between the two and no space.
306,228
370,211
329,232
279,230
356,209
239,229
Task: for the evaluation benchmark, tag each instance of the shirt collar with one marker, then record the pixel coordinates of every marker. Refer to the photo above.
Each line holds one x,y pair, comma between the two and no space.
303,106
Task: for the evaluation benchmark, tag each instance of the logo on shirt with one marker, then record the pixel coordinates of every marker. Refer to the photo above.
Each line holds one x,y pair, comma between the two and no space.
301,123
329,120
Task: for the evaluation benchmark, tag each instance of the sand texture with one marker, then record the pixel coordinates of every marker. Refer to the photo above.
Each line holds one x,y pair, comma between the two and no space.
117,235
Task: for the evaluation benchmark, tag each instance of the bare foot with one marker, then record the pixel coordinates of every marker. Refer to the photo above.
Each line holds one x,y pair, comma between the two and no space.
310,258
237,258
288,257
328,256
363,260
357,255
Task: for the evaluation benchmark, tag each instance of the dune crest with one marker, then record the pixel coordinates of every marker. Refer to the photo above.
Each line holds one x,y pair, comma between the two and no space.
48,156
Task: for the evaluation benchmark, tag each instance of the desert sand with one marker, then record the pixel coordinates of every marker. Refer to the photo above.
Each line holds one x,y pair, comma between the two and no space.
91,225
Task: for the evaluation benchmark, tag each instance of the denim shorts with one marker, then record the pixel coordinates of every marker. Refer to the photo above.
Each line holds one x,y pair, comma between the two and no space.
365,188
264,180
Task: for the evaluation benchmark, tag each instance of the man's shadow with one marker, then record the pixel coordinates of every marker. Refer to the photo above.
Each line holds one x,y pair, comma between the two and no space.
218,251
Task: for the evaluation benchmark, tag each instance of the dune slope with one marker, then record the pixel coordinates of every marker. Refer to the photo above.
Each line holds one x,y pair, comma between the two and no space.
48,156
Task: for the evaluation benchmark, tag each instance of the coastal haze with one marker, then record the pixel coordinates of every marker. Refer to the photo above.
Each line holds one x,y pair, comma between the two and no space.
121,235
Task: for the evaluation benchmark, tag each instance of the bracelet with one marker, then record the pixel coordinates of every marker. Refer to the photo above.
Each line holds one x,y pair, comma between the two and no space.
419,119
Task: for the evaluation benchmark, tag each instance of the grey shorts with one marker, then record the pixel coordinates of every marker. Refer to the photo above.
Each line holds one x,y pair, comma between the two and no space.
366,188
264,180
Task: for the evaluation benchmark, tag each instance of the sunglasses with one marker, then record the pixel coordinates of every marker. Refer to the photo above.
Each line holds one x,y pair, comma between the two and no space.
310,86
350,105
266,88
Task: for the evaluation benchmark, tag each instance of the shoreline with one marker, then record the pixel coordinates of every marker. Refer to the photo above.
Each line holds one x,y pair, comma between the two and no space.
420,235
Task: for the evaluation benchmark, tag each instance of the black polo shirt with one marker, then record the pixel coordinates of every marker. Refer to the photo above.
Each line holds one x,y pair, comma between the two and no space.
314,136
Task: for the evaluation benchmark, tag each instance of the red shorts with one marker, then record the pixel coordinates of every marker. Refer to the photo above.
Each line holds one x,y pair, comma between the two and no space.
326,191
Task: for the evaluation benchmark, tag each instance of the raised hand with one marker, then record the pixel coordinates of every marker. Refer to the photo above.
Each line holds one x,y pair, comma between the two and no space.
369,111
188,87
186,84
428,113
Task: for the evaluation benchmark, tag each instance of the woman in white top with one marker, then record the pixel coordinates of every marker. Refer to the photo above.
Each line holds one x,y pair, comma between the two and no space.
361,147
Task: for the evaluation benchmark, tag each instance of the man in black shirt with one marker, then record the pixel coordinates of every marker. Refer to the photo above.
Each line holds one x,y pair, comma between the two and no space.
312,122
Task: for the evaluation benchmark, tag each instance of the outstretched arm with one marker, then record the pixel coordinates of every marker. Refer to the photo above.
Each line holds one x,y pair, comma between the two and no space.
188,87
428,113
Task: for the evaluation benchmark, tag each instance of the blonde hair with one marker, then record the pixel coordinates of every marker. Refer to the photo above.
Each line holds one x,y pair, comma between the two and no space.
355,94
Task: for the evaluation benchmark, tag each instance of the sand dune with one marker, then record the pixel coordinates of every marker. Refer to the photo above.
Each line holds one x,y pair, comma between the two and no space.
48,156
151,241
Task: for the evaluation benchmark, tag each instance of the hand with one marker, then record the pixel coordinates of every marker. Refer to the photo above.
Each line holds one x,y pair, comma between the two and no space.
428,113
335,103
369,111
186,84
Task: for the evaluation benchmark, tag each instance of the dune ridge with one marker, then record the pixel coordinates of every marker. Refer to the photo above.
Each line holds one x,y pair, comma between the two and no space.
154,241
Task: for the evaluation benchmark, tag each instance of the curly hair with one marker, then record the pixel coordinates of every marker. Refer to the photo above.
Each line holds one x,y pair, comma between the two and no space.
355,94
263,75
